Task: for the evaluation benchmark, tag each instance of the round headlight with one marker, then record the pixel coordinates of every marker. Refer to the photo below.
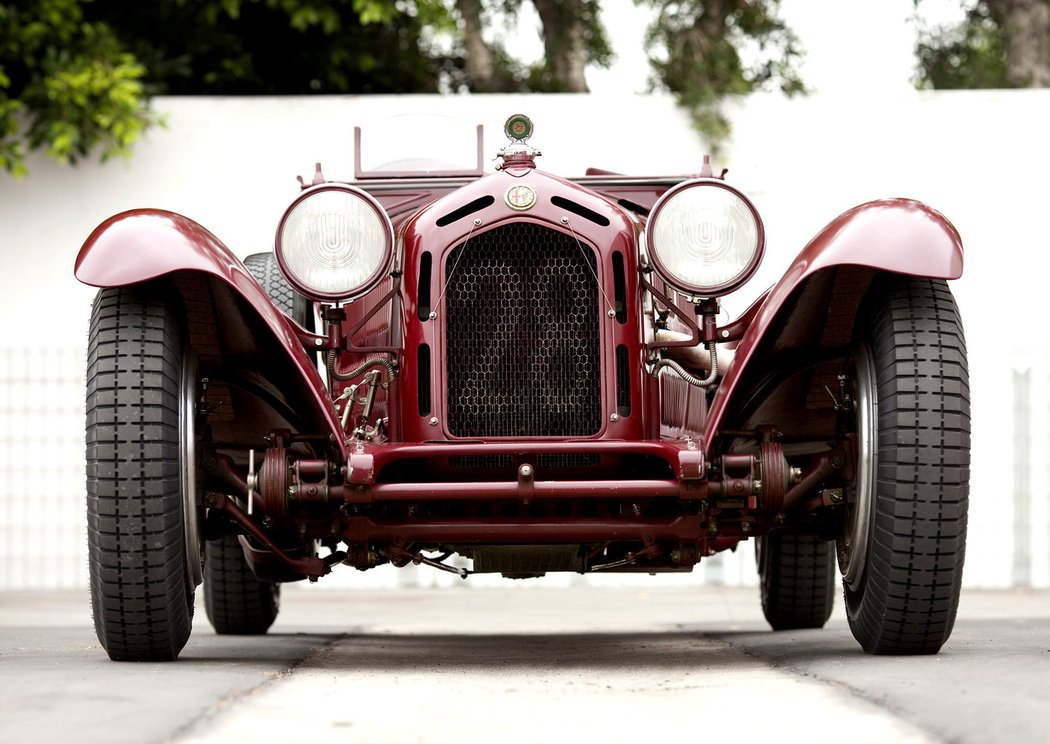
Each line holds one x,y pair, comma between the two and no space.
705,238
335,242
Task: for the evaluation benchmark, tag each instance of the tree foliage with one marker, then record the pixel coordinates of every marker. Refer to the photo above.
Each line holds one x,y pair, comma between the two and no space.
573,38
66,85
705,50
281,47
75,75
999,44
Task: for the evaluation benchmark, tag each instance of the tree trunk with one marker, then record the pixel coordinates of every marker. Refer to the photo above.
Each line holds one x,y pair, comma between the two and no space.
564,43
1026,37
480,69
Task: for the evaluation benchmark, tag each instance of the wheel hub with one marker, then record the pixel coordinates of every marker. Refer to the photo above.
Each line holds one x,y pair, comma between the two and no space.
188,468
859,521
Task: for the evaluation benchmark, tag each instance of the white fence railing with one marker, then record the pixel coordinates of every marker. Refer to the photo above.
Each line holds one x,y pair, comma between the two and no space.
43,541
42,530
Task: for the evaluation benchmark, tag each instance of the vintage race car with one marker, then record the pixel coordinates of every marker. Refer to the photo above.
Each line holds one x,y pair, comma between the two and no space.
519,373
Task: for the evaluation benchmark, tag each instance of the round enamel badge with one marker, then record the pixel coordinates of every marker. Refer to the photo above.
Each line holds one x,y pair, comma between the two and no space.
520,196
518,127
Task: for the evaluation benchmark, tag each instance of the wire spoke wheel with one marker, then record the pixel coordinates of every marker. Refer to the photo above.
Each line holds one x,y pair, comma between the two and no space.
902,545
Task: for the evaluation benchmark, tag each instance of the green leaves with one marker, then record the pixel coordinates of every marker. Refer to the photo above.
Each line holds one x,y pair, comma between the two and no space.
375,11
76,75
970,54
281,47
66,86
706,50
83,102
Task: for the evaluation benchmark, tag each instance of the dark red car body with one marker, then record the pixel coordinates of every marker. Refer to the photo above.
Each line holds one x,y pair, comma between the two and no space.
604,462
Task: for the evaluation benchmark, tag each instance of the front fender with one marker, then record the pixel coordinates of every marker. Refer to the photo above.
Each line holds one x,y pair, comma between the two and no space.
145,244
899,236
903,236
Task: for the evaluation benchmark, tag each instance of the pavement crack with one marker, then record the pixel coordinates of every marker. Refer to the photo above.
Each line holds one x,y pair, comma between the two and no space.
224,704
881,703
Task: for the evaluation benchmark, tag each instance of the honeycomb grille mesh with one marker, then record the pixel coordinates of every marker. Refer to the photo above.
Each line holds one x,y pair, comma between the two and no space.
522,335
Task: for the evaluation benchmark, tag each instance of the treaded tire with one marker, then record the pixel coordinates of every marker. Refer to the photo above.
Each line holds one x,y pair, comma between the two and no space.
141,590
263,266
236,601
905,598
797,578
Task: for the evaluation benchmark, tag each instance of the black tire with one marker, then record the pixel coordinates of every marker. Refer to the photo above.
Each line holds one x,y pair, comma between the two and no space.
236,601
143,544
903,543
263,266
797,578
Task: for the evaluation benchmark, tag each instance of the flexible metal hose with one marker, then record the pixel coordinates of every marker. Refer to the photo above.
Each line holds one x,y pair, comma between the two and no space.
386,364
678,369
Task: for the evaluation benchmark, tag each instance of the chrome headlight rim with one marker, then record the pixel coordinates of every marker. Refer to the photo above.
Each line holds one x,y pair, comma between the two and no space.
363,287
710,290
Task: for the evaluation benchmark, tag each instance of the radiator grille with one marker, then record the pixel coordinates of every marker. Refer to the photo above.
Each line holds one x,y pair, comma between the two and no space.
522,335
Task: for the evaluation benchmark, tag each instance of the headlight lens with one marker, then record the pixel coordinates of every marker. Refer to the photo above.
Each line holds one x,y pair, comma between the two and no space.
334,242
705,238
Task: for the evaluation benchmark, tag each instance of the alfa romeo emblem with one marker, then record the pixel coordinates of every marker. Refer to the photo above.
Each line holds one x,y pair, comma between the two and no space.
520,196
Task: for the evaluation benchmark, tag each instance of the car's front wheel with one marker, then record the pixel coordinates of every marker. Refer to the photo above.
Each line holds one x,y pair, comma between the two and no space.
903,539
143,538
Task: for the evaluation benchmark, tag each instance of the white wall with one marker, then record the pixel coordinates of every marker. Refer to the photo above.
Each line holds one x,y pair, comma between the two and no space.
980,157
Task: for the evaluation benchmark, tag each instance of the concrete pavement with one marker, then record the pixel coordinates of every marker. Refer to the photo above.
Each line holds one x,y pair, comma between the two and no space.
525,664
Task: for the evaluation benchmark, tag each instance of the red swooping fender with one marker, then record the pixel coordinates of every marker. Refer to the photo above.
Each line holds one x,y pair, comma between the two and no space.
901,236
145,244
